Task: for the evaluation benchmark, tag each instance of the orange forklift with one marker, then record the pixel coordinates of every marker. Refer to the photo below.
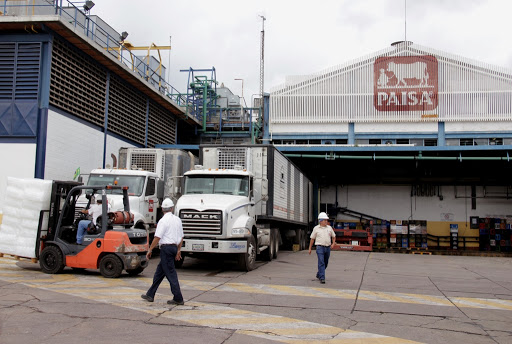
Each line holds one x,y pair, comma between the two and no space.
112,245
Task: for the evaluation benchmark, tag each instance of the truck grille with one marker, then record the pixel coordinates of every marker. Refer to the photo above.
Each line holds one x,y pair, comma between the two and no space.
201,222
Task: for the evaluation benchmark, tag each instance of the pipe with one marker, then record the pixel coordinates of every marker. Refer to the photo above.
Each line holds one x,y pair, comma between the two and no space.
397,157
192,160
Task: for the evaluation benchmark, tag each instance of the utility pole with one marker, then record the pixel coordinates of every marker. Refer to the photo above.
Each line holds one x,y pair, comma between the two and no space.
262,58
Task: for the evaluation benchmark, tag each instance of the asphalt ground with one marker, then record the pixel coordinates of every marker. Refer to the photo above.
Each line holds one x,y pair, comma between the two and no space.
368,298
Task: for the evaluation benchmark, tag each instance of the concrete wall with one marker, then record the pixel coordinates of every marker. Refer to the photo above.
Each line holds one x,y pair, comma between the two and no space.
71,145
396,203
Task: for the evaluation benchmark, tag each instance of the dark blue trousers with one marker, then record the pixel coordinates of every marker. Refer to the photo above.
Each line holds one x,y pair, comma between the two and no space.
323,253
166,269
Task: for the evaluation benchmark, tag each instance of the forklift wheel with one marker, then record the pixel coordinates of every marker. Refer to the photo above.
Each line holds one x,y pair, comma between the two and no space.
51,260
111,266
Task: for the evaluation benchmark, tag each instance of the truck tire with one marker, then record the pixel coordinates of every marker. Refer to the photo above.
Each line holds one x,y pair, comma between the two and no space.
178,264
276,242
268,254
51,260
111,266
247,260
304,240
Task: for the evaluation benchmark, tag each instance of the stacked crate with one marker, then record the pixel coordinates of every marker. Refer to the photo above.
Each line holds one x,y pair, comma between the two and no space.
380,232
399,234
418,234
495,234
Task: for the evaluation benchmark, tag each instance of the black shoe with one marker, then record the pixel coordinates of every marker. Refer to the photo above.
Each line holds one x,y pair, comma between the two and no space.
177,303
147,298
322,281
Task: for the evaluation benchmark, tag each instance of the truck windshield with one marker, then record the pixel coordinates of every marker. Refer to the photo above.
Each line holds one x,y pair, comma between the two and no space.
227,185
135,183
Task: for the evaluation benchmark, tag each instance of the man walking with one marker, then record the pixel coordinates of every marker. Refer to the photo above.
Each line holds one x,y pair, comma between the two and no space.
169,237
321,236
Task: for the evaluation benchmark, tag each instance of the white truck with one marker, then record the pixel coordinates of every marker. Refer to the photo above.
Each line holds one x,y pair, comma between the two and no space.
244,200
151,175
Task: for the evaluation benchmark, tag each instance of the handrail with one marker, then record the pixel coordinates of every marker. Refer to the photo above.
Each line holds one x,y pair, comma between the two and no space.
438,239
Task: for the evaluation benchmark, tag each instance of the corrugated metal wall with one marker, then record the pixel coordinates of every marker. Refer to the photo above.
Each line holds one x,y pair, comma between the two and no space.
79,86
465,90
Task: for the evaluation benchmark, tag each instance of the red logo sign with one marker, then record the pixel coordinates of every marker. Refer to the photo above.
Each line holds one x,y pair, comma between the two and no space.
405,83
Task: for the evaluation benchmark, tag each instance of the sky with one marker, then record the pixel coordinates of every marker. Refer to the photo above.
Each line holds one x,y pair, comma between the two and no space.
304,37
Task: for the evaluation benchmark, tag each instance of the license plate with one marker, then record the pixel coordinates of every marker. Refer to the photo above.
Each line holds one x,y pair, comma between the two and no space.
197,247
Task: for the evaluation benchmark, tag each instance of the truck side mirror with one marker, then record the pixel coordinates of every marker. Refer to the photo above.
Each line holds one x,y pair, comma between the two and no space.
264,189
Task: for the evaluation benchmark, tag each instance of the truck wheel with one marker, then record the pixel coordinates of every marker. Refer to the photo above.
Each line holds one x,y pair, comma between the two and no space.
247,260
303,242
276,242
111,266
179,263
268,254
51,260
135,272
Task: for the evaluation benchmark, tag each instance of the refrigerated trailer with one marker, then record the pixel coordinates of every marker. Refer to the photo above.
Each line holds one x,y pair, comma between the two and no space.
244,200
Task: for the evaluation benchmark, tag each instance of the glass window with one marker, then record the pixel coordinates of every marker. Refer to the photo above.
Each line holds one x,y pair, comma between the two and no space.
227,185
135,184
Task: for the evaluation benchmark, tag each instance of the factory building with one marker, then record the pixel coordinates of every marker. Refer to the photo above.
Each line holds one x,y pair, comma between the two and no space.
405,134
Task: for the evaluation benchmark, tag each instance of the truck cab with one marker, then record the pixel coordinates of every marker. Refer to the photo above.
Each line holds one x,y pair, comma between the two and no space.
218,214
143,193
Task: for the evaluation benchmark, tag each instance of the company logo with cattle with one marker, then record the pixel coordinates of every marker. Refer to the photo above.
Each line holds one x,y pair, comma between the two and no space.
405,83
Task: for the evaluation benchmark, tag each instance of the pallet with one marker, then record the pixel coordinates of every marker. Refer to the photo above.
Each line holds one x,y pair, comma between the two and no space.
421,252
398,250
5,255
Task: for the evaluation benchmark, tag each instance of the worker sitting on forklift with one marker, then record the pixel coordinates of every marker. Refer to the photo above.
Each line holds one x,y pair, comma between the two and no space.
94,212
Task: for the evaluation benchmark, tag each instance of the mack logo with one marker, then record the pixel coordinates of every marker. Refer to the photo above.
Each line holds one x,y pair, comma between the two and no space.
405,83
201,216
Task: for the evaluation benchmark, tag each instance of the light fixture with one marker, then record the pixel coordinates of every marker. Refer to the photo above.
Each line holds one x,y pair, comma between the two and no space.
123,36
88,5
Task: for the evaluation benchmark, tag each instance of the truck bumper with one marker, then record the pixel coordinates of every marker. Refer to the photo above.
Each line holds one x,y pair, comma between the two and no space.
214,246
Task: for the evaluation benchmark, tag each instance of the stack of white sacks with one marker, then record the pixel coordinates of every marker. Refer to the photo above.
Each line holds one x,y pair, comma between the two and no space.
24,200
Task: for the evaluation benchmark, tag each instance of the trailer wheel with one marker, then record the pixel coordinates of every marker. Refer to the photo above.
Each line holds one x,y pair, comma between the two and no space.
111,266
276,242
268,254
51,260
247,260
178,264
135,272
303,241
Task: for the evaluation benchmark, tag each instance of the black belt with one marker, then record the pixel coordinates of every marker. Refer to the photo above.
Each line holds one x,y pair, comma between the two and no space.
168,245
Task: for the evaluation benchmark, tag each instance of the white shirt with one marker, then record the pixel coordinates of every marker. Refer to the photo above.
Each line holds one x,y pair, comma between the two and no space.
323,235
169,229
96,210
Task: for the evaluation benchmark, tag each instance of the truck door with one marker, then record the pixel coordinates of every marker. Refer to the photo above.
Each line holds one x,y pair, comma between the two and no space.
150,201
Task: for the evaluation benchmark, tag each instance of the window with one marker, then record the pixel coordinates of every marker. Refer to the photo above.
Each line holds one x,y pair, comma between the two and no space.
150,188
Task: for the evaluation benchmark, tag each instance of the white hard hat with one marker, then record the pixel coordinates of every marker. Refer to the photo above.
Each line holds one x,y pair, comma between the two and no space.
167,203
323,216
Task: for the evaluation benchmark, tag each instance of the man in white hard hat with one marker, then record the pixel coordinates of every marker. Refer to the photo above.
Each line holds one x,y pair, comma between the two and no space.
169,237
324,238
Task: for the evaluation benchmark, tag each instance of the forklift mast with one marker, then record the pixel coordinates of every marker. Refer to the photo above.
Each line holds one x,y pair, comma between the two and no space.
60,191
